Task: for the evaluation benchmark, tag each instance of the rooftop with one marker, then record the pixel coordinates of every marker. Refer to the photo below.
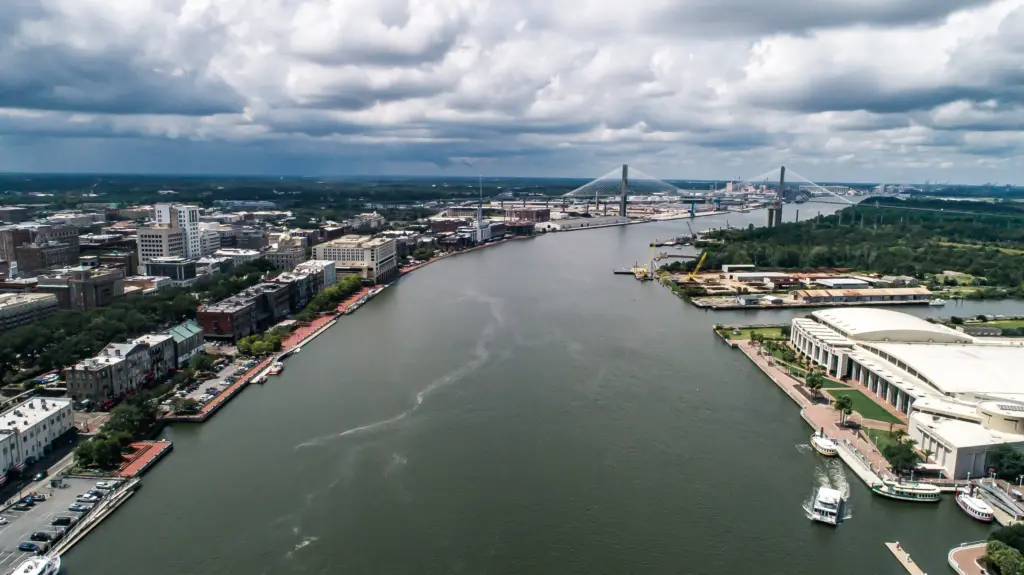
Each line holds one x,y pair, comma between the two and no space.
873,324
962,368
963,434
185,330
18,299
865,292
27,414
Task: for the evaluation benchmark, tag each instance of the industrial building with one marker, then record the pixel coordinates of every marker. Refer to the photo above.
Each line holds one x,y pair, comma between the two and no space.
962,394
826,296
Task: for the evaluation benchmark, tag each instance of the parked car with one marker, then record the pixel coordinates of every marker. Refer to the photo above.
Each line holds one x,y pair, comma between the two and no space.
87,499
32,547
3,520
80,507
39,476
38,497
107,484
21,507
64,521
40,536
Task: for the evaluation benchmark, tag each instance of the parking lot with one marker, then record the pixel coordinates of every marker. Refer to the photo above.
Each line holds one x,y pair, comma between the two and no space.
225,377
22,524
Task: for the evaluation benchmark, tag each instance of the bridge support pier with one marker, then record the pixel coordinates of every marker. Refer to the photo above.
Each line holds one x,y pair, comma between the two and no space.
623,190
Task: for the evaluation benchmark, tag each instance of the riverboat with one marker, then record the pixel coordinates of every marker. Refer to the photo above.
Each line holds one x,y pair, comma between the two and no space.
937,302
276,368
828,506
922,492
38,566
824,444
974,506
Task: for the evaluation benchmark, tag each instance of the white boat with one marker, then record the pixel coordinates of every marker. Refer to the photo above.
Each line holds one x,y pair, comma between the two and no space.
40,565
276,368
974,506
828,506
937,302
824,444
923,492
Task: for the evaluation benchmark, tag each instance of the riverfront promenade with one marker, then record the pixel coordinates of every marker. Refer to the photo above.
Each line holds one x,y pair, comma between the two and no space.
964,558
818,415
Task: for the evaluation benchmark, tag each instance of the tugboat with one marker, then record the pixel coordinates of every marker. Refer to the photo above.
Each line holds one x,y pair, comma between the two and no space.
828,506
824,444
922,492
974,506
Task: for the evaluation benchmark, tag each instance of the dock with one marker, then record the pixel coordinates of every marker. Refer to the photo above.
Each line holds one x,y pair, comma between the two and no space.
904,558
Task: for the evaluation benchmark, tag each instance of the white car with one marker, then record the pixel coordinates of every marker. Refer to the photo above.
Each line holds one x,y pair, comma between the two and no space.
87,499
3,520
107,485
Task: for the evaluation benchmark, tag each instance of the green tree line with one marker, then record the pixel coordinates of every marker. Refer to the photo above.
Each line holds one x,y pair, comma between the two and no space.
892,236
69,336
236,279
329,298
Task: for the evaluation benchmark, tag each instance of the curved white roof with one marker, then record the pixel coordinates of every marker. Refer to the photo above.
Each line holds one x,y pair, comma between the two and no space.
873,324
957,368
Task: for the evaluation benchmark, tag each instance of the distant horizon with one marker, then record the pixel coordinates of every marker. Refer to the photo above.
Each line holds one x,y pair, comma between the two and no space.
330,177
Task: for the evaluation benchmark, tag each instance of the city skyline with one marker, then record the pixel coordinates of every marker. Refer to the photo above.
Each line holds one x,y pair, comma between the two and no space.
900,91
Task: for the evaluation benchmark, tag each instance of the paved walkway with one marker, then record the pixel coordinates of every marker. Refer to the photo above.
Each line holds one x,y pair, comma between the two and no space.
352,299
299,335
820,415
146,453
965,559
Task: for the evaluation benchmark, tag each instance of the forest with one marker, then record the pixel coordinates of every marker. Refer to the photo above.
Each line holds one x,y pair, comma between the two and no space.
893,236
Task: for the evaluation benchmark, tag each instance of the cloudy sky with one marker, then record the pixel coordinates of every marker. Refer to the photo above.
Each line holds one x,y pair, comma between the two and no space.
868,90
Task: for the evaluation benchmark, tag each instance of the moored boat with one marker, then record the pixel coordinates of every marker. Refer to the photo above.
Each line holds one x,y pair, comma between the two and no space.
974,506
276,368
41,565
937,302
824,444
828,506
922,492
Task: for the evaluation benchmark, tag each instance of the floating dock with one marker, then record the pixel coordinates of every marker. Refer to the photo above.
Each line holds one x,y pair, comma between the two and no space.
904,558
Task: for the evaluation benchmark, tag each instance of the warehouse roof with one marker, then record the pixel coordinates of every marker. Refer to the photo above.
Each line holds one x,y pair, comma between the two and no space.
959,368
872,324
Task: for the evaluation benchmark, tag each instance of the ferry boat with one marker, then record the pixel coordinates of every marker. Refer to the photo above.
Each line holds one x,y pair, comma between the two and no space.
38,566
937,302
923,492
824,444
276,368
974,506
828,506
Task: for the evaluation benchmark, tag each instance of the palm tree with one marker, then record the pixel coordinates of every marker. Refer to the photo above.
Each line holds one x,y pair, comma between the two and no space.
844,405
899,435
927,454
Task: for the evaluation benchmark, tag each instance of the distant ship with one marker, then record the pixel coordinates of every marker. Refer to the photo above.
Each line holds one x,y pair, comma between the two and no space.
38,566
828,506
824,444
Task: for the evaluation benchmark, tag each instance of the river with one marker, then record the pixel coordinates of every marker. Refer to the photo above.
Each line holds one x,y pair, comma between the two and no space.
515,410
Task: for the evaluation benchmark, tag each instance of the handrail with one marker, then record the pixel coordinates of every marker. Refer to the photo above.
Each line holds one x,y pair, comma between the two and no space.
956,566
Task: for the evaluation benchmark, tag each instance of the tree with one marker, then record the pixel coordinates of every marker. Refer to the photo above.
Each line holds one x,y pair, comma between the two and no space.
106,452
85,453
1005,558
201,363
844,405
901,457
814,381
1007,461
184,405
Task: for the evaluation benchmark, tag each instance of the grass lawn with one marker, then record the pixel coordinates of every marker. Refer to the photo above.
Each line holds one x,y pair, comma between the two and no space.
865,406
1003,323
744,334
880,437
829,384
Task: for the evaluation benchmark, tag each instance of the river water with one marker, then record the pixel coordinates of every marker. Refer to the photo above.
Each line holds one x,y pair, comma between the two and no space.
516,410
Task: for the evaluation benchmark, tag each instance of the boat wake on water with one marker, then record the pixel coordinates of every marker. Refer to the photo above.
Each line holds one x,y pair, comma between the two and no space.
829,473
803,447
481,355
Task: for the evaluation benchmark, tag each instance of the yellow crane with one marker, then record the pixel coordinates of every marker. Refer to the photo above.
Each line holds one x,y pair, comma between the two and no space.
696,268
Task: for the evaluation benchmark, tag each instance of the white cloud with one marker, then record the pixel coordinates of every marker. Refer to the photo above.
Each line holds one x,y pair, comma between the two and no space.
862,89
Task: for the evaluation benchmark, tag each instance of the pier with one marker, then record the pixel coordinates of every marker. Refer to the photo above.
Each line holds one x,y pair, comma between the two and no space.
904,558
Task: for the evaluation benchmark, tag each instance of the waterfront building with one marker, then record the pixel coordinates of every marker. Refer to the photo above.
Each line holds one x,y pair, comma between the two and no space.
162,358
28,430
826,296
373,259
962,394
251,311
323,267
188,342
119,369
21,308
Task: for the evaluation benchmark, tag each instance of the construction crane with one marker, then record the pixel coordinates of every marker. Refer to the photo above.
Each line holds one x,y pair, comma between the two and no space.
696,268
693,236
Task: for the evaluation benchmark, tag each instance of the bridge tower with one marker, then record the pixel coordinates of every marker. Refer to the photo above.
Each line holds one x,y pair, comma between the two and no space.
623,190
775,208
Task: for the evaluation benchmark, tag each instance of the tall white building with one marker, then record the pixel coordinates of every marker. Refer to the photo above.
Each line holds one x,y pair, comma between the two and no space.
371,258
160,242
187,218
209,238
